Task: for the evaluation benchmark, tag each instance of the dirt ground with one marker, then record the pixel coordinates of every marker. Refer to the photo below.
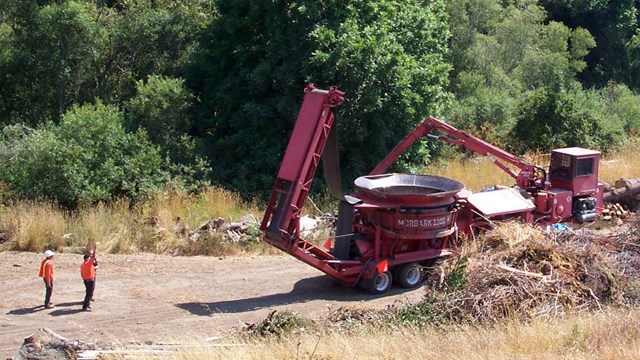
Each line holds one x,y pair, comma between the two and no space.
145,298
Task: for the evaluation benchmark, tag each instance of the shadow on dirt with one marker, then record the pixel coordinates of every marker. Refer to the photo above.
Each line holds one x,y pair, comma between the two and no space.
65,312
31,310
25,311
316,288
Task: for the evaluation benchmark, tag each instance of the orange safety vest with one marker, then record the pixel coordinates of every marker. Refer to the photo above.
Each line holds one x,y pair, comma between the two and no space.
46,270
88,270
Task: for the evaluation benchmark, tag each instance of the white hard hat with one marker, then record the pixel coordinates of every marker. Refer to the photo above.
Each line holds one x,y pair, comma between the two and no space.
48,253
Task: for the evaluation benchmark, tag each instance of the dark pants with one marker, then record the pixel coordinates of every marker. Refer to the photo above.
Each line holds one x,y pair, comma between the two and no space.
90,285
47,294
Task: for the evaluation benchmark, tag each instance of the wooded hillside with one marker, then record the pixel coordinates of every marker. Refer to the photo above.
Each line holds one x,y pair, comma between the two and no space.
111,98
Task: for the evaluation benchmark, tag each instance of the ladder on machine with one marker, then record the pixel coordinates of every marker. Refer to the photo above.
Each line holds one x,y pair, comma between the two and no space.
298,167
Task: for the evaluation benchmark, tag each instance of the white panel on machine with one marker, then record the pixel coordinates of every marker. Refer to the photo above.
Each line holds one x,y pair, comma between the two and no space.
500,202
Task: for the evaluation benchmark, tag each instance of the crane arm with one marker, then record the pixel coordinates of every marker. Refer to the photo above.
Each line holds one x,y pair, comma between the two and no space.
526,178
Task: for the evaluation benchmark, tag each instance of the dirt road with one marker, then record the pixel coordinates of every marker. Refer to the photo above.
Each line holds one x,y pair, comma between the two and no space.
150,298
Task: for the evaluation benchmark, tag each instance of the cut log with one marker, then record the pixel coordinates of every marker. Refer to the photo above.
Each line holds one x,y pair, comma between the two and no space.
626,190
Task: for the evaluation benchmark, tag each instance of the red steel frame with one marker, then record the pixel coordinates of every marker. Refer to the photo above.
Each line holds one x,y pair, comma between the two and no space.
299,165
375,221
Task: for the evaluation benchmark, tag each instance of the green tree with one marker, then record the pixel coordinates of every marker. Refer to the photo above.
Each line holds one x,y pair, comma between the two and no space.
54,49
163,108
146,38
557,58
86,158
625,105
468,19
59,53
612,23
257,57
548,119
484,111
633,53
517,54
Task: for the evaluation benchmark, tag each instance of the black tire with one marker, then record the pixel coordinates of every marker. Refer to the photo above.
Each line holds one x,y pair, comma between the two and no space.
410,275
379,284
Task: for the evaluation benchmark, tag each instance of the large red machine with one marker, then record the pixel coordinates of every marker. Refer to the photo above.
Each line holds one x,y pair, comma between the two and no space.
396,224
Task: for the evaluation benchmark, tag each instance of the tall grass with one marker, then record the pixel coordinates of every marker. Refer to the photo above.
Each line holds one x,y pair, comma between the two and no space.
157,225
33,225
606,335
624,163
476,173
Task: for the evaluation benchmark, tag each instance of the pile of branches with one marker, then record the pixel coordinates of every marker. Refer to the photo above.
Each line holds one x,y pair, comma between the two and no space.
522,272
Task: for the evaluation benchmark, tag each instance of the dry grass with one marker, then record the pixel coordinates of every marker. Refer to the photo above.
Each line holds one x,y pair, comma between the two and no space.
623,164
480,172
476,174
33,226
158,225
605,335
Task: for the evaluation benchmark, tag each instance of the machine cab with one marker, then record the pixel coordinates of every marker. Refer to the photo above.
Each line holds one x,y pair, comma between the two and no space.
575,169
574,173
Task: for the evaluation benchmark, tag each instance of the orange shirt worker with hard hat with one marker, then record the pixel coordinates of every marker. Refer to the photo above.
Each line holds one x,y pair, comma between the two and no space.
46,273
88,273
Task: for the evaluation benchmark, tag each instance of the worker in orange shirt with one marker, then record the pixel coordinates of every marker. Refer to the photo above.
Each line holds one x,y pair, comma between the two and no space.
46,273
88,273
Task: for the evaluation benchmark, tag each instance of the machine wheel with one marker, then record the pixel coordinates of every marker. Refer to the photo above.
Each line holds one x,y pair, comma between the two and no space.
379,284
410,275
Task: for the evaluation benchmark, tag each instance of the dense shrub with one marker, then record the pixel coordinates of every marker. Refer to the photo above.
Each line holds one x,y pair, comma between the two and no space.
549,119
86,158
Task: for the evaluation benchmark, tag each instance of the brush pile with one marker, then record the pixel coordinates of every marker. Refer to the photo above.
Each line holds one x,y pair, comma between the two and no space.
522,272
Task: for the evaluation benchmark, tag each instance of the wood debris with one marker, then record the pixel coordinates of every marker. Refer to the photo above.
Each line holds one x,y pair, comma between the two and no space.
546,274
45,344
612,211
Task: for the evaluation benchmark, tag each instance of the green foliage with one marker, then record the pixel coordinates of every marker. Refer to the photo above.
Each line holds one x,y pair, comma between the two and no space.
247,63
250,56
455,278
257,58
54,52
484,111
58,54
556,60
612,23
389,58
87,158
468,19
523,53
625,105
549,119
279,324
418,315
633,52
162,107
145,40
517,54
